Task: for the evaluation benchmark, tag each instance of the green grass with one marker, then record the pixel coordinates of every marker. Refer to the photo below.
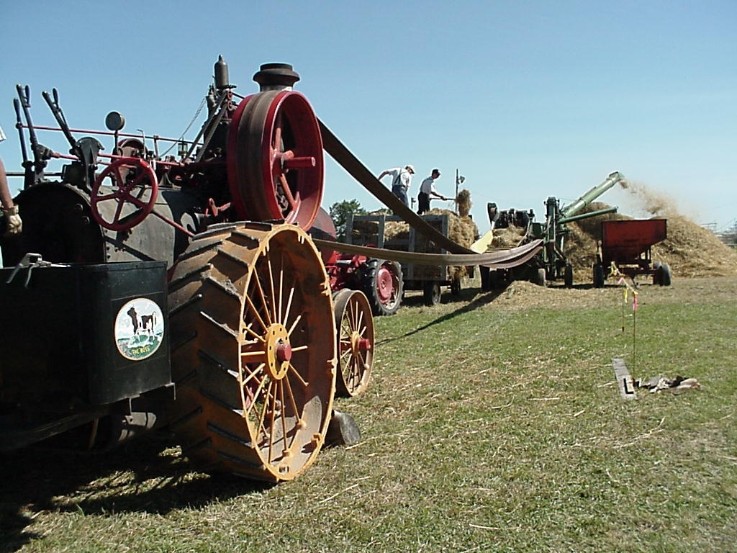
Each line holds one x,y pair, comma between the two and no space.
491,424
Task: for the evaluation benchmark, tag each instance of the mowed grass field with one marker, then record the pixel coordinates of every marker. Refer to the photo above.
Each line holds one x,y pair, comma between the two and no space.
493,423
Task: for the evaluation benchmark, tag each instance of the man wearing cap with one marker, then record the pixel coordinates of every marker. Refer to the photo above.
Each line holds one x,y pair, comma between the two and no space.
427,189
401,181
13,223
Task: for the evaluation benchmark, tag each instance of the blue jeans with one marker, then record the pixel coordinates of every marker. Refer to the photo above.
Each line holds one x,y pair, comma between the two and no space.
401,193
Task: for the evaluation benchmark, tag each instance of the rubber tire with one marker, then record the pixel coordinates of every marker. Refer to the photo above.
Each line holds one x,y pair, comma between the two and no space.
497,279
540,277
665,275
485,273
369,285
568,276
431,292
598,275
455,287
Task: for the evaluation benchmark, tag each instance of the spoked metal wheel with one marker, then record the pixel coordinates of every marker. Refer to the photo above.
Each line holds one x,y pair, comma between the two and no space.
275,161
355,331
130,199
253,351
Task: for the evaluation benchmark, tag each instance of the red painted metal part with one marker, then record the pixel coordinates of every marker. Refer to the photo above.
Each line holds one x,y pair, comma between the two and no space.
384,284
122,192
625,241
275,161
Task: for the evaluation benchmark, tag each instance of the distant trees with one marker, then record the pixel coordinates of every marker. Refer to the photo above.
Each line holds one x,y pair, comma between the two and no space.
339,212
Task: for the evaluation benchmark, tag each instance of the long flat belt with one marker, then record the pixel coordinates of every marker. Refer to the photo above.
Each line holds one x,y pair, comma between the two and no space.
499,259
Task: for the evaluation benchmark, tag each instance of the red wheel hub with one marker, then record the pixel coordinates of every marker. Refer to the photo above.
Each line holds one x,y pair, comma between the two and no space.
384,284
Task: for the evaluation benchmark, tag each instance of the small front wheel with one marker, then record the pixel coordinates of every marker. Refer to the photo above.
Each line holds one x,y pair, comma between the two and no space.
383,283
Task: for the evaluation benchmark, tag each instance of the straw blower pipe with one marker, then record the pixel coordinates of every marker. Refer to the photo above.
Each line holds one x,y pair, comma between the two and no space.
571,212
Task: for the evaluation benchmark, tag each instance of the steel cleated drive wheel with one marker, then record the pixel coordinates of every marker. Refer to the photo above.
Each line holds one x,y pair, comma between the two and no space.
382,282
355,332
253,351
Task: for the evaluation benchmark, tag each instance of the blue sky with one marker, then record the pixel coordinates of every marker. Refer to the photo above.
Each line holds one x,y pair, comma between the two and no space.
527,99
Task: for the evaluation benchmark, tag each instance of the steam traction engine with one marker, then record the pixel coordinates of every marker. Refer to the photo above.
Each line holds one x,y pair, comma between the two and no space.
150,290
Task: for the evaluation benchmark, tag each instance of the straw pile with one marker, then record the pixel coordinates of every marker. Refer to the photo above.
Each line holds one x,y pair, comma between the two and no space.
689,249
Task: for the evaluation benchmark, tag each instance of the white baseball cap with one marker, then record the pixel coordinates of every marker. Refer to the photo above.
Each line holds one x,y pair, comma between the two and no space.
2,135
409,168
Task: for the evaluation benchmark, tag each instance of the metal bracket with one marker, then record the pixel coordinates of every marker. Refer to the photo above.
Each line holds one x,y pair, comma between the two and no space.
30,261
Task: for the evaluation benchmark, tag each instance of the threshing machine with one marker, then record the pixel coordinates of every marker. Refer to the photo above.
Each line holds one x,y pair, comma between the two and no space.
551,264
151,289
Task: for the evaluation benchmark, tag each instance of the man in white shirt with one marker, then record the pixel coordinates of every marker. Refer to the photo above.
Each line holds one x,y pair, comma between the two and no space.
427,189
401,181
13,222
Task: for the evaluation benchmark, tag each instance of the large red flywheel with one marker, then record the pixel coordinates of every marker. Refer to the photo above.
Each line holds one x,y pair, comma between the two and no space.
275,159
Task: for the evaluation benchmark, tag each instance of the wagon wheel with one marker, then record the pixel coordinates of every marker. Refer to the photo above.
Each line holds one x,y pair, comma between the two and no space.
355,331
568,275
134,186
382,282
254,351
431,292
275,162
598,275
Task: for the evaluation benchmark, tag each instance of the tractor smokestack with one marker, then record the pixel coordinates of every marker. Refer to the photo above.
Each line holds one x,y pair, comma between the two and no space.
276,76
221,74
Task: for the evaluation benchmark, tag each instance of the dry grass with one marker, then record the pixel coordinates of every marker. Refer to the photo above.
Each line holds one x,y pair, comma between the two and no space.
493,423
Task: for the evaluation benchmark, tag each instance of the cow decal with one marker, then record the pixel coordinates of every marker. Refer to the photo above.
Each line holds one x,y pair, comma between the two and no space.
139,329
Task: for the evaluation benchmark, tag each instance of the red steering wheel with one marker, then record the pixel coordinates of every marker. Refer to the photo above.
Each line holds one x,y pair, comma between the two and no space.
134,184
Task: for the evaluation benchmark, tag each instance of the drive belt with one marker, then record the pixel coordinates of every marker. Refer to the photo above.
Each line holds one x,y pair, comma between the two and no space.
360,172
499,259
459,255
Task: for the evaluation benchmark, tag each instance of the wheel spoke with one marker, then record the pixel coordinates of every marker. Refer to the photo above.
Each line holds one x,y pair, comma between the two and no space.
294,324
283,416
252,309
111,196
274,316
294,371
289,303
272,416
251,354
140,204
287,192
118,211
262,297
256,393
253,374
292,401
277,144
281,289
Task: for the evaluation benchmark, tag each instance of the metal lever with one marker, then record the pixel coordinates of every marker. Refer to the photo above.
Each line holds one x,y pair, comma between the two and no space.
30,261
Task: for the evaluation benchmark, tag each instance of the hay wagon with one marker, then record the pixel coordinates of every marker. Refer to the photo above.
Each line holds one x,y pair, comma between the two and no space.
393,233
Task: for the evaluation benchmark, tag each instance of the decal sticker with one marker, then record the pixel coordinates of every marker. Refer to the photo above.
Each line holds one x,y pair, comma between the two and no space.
139,329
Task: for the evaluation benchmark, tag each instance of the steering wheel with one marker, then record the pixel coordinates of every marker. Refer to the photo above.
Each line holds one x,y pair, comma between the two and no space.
131,177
